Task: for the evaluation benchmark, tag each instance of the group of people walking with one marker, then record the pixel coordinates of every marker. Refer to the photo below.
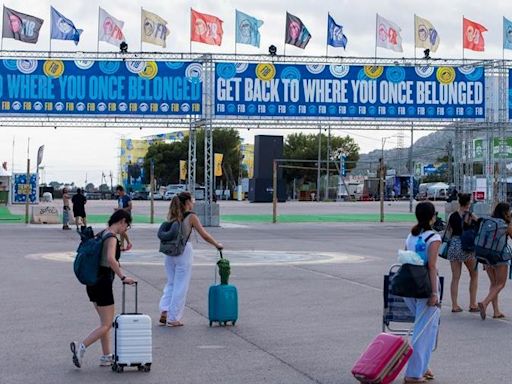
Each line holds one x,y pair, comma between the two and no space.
427,311
178,270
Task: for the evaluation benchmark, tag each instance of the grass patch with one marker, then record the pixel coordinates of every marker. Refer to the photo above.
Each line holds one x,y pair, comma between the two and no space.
7,216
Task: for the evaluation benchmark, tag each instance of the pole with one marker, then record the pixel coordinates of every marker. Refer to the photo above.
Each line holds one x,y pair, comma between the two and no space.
462,39
98,42
411,171
27,185
274,192
381,183
190,42
376,36
152,186
414,37
142,27
319,165
328,162
449,150
12,158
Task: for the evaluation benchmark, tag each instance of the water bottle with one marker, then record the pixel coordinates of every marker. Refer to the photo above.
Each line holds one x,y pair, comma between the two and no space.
421,249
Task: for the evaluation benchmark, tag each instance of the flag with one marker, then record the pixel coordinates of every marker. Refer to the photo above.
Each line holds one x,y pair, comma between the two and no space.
296,32
507,33
218,164
62,28
473,37
205,28
40,152
154,29
335,36
388,35
110,29
247,29
22,27
183,170
425,35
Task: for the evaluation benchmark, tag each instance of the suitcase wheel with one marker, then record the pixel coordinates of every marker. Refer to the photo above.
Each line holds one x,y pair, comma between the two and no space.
117,368
144,368
233,322
211,322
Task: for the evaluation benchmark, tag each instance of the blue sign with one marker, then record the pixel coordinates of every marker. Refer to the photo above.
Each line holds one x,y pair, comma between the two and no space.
429,169
330,91
85,87
21,188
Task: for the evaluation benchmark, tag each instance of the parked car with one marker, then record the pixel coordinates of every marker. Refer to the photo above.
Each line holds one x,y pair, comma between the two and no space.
173,190
157,196
140,195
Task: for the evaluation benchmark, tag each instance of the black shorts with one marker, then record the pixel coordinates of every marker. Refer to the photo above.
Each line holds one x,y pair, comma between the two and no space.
102,293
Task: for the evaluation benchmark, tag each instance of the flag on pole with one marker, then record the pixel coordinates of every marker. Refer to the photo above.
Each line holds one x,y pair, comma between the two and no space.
388,35
110,29
183,170
296,32
19,26
218,164
473,37
62,28
153,29
247,29
206,29
335,36
507,33
425,35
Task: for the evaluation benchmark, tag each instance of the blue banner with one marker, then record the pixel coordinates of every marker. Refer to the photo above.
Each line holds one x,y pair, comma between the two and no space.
330,91
85,87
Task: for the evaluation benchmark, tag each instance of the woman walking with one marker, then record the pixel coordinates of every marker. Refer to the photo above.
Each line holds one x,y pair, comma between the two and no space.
426,311
458,222
179,268
498,272
101,294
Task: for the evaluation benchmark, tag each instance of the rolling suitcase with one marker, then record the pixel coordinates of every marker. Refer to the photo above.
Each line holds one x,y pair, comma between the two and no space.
132,339
222,303
385,357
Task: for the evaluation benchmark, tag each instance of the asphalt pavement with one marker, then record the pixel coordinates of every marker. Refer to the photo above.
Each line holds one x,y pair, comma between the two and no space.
310,298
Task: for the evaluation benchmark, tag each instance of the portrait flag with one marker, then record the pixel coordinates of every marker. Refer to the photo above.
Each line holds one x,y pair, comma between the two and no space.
62,28
19,26
473,35
425,35
507,33
247,29
110,29
206,29
183,170
296,32
153,28
387,34
335,36
218,164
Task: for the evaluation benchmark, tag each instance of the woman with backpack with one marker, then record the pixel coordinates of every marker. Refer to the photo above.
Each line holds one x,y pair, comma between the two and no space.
426,311
101,294
179,267
461,232
498,272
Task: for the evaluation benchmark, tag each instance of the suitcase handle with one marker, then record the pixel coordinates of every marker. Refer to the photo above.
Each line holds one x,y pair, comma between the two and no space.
136,297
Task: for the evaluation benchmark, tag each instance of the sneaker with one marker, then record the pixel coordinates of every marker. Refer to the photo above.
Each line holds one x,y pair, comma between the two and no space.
78,351
106,360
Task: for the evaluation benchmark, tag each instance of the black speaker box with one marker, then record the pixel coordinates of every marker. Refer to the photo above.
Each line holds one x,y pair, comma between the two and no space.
266,149
261,191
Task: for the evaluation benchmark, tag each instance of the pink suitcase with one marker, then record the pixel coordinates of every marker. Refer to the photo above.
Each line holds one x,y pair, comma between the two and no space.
383,359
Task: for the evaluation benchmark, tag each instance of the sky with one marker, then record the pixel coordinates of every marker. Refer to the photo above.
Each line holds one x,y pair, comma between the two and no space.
73,154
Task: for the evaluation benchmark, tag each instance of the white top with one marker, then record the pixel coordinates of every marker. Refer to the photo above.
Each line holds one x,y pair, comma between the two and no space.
410,243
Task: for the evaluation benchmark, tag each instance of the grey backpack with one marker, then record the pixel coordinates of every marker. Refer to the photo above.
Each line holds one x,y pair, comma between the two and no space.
172,240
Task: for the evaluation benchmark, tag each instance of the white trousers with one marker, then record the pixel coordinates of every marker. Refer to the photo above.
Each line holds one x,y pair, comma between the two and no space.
427,323
179,272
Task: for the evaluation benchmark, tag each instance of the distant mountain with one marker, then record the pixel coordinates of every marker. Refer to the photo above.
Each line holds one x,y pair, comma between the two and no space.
426,151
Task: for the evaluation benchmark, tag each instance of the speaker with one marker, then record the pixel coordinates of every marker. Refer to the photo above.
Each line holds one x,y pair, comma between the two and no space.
261,191
266,149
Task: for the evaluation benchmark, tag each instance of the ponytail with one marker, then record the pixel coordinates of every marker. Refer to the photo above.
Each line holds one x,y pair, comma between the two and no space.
425,211
176,209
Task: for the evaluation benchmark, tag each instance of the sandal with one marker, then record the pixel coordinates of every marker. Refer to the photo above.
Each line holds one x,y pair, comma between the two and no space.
500,316
474,309
456,310
163,319
429,375
482,311
175,323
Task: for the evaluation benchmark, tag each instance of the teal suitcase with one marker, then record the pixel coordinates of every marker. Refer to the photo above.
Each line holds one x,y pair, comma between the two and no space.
223,304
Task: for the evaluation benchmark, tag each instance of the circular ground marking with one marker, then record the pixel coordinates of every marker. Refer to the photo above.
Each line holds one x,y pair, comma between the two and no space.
203,257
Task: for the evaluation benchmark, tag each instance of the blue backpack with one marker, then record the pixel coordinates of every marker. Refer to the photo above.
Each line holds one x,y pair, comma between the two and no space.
88,256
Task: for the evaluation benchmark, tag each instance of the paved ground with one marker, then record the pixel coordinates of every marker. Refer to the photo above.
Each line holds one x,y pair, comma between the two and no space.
310,301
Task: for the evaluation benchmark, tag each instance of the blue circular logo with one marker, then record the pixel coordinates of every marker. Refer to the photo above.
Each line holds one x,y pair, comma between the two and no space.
431,111
352,110
476,74
450,111
174,64
109,67
231,108
312,109
411,111
470,111
80,107
292,109
332,110
392,110
290,73
272,109
395,74
372,110
361,75
251,108
10,65
226,70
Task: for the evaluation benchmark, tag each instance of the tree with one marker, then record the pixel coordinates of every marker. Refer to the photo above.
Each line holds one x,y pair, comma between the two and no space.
89,187
104,188
55,185
167,157
300,146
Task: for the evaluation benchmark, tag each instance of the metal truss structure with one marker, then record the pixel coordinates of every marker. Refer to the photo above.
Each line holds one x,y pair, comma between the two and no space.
495,126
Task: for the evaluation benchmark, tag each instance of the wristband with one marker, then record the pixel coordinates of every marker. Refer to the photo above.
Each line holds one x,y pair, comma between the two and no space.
122,278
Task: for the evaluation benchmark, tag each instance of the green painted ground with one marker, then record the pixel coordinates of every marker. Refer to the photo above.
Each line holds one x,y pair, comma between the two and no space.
7,217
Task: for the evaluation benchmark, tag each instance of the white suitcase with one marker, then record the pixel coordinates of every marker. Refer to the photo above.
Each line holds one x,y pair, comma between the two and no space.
132,339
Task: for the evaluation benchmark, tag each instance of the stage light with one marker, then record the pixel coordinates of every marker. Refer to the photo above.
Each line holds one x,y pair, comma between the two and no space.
426,52
123,47
272,50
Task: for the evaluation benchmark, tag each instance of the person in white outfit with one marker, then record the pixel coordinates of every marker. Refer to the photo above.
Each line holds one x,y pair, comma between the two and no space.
427,311
179,268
